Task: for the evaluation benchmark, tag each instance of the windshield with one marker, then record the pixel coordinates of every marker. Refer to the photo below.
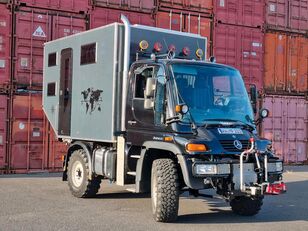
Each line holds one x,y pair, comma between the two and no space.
212,93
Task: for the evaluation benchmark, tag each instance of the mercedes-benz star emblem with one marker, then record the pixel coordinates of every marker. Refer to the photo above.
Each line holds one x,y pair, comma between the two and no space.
238,144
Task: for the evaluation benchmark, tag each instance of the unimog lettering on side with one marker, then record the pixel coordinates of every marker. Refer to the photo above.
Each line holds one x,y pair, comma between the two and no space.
141,106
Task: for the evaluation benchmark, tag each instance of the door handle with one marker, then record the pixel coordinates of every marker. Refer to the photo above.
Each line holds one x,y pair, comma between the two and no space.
131,122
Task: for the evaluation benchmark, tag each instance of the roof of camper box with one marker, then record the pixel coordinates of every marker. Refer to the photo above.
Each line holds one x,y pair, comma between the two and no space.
134,26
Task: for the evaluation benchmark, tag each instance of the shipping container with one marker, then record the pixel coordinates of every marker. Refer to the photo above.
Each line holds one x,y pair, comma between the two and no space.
285,63
3,129
129,5
186,22
54,150
287,15
189,5
33,28
5,1
77,6
242,48
286,126
240,12
5,47
103,16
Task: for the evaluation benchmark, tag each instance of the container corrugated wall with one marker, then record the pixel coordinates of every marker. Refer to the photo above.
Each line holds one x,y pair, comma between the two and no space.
127,5
241,47
240,12
285,63
287,15
187,5
103,16
3,131
5,47
76,6
286,126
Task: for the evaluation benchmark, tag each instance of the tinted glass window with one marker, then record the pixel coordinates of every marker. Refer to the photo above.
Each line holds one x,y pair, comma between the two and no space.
51,89
52,59
141,80
88,54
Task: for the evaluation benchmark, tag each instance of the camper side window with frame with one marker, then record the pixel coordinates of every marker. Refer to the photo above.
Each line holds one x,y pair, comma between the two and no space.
88,54
141,80
52,59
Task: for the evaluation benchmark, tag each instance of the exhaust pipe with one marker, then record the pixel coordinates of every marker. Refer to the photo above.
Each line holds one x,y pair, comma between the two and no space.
125,68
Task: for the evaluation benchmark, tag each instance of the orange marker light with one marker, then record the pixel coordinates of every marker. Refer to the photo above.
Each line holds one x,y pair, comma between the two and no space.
196,148
168,138
178,108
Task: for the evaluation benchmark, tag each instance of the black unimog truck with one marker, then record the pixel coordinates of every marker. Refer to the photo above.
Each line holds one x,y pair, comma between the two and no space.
141,106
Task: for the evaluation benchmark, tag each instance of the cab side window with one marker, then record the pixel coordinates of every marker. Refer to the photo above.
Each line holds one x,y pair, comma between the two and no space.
141,80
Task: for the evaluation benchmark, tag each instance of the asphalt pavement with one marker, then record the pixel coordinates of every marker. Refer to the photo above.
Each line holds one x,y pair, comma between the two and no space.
43,202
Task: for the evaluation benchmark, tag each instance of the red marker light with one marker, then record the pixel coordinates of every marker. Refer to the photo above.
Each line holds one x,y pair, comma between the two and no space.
171,48
157,47
251,140
186,51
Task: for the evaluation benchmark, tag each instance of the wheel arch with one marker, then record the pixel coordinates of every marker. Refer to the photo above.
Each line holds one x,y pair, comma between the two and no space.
73,147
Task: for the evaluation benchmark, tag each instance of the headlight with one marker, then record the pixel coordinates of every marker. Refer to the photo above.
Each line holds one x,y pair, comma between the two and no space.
212,169
275,167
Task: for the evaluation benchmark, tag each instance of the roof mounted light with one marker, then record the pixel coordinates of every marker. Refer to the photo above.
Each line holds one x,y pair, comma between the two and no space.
171,48
143,45
186,51
199,53
157,47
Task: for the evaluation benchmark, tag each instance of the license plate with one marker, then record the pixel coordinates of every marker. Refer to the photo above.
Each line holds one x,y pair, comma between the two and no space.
235,131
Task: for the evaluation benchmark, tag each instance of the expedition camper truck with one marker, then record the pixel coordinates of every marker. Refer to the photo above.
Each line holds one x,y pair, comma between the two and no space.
141,106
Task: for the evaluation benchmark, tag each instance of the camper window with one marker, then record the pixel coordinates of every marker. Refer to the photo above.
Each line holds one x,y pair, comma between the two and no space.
88,54
52,59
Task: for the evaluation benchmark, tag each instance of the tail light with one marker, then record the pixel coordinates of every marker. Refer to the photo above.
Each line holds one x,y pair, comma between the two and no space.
276,189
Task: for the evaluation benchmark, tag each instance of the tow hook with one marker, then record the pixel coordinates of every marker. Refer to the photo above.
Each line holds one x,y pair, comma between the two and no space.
276,188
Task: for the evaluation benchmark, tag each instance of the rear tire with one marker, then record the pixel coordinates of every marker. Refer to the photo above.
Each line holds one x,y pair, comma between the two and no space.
246,206
78,172
164,190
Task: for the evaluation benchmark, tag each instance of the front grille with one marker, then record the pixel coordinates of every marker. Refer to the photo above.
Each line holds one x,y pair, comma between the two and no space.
228,145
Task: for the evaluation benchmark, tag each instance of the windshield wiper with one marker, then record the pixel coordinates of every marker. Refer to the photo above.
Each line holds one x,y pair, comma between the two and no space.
228,122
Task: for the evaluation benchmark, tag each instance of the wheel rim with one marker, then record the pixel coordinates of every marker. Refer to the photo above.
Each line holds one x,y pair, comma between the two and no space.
77,173
154,192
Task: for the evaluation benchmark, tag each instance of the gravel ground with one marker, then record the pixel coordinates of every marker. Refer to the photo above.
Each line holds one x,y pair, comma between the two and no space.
43,202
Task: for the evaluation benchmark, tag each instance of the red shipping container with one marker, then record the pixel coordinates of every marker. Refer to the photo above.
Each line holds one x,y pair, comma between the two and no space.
54,150
27,133
34,28
3,126
285,63
189,5
5,32
61,5
286,126
288,15
186,22
102,16
130,5
240,12
242,48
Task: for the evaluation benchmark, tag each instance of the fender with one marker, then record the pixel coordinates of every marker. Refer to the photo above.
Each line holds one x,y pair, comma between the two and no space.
186,166
74,146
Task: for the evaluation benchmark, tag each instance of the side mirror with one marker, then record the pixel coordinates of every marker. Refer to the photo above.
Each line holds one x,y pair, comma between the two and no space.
253,97
263,113
150,87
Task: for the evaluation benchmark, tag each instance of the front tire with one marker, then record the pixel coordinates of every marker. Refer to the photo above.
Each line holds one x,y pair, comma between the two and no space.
165,190
78,172
246,206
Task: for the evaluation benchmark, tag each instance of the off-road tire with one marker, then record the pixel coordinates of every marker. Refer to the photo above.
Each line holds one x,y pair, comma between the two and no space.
246,206
165,190
85,187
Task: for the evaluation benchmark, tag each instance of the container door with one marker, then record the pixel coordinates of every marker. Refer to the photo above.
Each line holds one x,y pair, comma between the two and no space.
65,92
